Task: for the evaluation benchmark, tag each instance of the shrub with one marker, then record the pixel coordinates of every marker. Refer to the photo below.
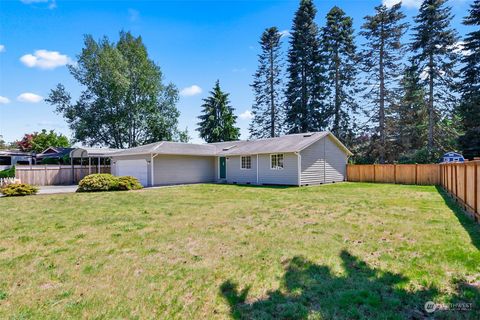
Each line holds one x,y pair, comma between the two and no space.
129,183
8,173
18,189
108,182
98,182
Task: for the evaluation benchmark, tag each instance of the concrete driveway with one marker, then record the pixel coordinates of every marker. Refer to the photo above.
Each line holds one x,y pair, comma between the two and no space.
57,189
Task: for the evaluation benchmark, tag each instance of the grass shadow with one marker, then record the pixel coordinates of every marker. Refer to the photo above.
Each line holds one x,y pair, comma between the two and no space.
468,223
310,291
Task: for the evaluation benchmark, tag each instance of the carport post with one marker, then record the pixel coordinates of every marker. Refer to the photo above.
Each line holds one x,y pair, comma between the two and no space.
98,165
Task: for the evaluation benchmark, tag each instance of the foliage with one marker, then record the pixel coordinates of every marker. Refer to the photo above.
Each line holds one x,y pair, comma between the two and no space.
217,121
306,90
469,109
267,109
18,189
98,182
39,141
107,182
124,102
338,43
435,47
381,59
128,183
8,173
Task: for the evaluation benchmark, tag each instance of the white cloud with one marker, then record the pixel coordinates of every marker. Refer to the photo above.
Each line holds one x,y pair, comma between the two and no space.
52,4
45,59
29,97
2,48
405,3
246,115
459,48
133,15
285,33
4,100
191,91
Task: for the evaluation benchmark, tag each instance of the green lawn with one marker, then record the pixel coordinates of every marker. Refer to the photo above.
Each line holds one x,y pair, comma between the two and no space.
349,250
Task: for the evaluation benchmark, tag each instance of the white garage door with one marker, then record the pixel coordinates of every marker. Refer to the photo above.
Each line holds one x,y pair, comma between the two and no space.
136,168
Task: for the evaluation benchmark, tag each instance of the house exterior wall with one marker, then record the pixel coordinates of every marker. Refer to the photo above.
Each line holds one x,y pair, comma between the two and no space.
323,162
286,176
242,176
177,169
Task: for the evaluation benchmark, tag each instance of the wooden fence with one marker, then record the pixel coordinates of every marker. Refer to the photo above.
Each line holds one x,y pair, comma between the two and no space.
462,182
425,174
44,175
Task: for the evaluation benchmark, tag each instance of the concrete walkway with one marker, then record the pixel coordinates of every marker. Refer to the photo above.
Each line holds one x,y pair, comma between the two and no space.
57,189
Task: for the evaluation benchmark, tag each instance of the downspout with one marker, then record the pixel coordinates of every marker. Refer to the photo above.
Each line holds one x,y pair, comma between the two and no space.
299,165
152,157
324,161
257,168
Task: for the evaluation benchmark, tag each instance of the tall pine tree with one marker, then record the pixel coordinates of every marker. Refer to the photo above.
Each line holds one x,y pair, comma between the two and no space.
470,86
434,44
305,92
382,63
217,122
338,43
267,88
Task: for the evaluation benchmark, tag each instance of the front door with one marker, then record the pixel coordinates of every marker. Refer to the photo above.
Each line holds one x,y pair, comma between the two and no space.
223,168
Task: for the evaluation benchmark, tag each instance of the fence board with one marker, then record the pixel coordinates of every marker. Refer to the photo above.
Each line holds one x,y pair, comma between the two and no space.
42,175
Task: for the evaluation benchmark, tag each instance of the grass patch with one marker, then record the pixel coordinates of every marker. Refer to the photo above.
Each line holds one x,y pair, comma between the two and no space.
343,251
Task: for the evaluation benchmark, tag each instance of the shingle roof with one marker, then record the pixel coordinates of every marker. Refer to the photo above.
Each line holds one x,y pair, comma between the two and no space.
286,143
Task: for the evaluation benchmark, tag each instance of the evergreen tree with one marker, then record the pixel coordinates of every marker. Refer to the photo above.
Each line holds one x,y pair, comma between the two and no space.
470,87
267,114
408,123
338,42
434,44
217,122
382,62
305,92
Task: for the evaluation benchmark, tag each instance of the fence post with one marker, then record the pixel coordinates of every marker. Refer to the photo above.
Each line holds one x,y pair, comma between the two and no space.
374,174
416,165
395,173
465,183
475,188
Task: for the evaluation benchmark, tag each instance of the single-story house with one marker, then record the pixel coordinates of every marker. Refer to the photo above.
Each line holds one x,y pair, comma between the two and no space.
295,159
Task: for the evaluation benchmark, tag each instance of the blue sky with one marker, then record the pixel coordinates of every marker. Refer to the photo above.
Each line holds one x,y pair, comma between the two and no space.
194,42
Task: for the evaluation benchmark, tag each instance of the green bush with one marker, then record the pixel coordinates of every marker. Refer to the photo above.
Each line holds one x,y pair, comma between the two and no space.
18,189
108,182
98,182
8,173
128,183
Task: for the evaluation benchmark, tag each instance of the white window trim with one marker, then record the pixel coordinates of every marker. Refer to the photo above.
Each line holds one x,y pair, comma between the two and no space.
245,162
277,167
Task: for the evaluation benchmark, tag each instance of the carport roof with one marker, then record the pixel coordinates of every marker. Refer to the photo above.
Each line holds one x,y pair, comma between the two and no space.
286,143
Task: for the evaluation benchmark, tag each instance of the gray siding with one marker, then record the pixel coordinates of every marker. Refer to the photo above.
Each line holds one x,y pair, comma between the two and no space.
173,169
287,176
313,163
323,162
336,162
242,176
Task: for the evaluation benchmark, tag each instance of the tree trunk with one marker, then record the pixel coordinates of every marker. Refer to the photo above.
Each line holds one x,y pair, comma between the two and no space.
381,111
430,105
336,119
272,97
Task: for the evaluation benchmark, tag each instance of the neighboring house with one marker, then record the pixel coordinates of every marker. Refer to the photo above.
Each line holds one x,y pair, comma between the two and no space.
54,155
452,157
10,158
296,159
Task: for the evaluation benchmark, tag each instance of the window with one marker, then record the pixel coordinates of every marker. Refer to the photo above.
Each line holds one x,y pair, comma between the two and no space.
276,161
246,162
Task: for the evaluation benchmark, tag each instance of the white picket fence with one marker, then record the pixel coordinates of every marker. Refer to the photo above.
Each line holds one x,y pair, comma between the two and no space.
7,181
